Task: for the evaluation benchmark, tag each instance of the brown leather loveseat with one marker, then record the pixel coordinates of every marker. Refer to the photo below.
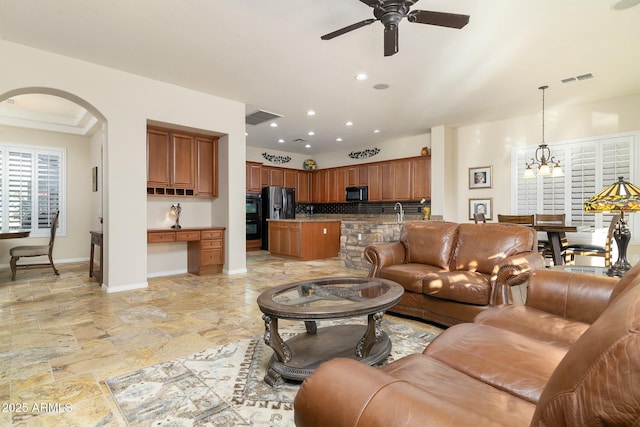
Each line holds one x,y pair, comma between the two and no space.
451,272
569,357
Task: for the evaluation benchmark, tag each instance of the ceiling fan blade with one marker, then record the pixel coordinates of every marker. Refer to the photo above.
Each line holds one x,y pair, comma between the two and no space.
451,20
390,40
351,27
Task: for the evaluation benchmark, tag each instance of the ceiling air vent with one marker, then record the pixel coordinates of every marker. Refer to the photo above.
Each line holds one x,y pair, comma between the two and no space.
260,116
580,78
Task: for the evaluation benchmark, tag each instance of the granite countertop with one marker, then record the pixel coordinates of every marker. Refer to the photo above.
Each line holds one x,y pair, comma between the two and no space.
306,220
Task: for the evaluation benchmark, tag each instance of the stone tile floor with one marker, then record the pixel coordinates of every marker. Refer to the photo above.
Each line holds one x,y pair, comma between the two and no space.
61,337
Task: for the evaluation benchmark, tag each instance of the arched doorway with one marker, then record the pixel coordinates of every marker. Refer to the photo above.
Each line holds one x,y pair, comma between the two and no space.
43,117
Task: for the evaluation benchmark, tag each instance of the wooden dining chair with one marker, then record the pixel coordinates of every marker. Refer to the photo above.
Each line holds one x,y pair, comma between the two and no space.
594,250
34,251
479,218
544,248
516,219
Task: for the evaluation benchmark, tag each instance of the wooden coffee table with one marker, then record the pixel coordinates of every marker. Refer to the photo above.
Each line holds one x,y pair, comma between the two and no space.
324,299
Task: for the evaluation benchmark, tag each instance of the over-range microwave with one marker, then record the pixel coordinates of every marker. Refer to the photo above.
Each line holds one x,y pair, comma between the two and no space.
357,194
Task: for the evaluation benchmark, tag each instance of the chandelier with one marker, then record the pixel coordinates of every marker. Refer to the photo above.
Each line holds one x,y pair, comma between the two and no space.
543,161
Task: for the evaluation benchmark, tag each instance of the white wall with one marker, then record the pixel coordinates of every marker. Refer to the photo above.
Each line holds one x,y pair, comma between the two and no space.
127,102
490,144
73,245
390,149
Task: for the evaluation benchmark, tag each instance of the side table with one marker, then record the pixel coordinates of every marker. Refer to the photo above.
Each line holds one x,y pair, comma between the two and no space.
96,240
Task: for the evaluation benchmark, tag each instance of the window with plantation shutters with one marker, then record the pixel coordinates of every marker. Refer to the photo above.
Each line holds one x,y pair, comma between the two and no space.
31,183
589,166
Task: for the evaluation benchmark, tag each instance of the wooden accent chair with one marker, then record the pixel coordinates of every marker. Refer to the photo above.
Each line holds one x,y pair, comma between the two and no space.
33,251
594,250
479,218
544,248
516,219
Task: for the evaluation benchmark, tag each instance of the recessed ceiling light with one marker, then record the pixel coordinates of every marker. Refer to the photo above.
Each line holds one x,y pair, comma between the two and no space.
281,141
311,133
376,131
311,113
307,146
381,86
361,77
274,125
246,134
349,124
338,139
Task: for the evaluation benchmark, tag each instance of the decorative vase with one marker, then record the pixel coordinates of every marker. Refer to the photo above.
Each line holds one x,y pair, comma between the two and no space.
426,213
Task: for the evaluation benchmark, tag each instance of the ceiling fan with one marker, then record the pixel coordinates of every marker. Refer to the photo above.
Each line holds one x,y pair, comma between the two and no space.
391,12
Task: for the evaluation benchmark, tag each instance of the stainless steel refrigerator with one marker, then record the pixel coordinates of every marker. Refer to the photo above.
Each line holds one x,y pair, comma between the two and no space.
277,203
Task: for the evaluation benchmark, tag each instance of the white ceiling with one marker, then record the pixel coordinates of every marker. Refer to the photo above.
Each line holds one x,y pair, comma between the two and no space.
268,55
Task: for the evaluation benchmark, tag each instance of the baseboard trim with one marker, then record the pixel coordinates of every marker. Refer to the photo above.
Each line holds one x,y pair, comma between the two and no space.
129,287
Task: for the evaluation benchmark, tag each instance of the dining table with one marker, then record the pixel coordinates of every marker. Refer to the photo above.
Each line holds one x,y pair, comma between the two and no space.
16,234
555,233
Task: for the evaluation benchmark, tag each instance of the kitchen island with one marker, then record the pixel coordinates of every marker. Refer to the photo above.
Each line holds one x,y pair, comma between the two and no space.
304,239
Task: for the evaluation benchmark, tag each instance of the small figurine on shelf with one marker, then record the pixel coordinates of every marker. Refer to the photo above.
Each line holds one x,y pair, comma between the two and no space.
175,211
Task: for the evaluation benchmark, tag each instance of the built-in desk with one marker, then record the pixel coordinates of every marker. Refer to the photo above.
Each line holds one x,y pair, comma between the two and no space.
205,247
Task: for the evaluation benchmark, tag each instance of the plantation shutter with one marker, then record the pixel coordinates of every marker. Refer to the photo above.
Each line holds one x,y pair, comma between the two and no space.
20,189
49,171
589,167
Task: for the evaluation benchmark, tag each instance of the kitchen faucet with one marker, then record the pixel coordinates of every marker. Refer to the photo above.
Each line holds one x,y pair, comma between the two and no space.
400,215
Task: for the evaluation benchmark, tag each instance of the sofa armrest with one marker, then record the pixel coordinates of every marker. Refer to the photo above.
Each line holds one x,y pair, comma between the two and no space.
576,296
383,254
513,271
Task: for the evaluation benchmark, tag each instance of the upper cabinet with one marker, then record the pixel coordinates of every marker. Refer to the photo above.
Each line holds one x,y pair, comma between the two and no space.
206,161
254,171
421,172
181,164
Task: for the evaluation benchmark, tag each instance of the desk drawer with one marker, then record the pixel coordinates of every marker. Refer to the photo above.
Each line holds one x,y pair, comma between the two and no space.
211,244
160,237
187,236
212,234
211,256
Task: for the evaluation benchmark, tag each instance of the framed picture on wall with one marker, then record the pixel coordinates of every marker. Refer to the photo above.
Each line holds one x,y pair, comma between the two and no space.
480,177
484,206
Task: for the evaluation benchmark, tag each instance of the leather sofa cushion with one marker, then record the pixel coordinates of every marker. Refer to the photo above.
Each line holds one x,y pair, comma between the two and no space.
429,242
408,275
481,246
598,381
462,286
500,358
534,323
414,391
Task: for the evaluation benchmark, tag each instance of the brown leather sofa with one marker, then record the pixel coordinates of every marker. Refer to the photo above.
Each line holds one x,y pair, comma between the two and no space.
569,357
451,272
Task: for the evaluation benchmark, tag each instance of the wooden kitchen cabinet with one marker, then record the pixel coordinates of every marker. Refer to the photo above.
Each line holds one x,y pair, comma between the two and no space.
290,178
304,240
337,179
402,177
181,164
206,170
421,181
253,177
158,158
374,172
303,187
320,186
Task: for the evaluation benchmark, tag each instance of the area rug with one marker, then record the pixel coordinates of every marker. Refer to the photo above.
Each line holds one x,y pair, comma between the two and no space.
224,386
